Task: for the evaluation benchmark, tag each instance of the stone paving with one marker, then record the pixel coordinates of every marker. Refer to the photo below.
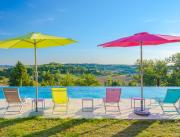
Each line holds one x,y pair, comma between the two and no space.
75,110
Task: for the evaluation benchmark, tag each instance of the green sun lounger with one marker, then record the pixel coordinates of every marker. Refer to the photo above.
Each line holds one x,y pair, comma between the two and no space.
171,98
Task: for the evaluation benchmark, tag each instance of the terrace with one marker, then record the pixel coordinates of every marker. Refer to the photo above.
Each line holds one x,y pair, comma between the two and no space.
75,111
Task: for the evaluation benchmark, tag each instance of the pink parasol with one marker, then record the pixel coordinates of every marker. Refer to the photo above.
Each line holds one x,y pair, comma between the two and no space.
142,39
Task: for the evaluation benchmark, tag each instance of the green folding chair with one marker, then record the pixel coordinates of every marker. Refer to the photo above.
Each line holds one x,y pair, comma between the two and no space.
172,97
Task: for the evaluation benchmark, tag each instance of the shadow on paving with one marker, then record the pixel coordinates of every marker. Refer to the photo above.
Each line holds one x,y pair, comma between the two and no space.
135,128
57,129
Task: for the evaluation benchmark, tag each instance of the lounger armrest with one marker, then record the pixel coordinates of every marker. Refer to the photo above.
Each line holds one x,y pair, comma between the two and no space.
24,100
159,100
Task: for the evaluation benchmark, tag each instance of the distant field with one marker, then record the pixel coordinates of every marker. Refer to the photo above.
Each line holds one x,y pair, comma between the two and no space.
123,78
4,82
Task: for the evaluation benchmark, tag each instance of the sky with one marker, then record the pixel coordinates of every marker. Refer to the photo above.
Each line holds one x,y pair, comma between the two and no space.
90,22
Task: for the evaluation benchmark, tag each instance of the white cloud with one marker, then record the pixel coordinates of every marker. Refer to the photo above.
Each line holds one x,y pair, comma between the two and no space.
161,51
174,34
42,20
172,20
148,20
4,33
61,10
30,5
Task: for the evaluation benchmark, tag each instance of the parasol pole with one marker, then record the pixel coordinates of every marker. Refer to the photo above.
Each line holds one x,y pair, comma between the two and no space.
36,74
141,73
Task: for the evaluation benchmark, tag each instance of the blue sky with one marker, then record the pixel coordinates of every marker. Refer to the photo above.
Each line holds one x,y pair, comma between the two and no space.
90,22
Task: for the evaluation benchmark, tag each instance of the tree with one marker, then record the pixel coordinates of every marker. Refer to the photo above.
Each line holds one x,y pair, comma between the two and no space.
133,83
117,83
87,80
57,78
108,82
148,73
160,71
155,73
47,79
68,80
19,76
174,77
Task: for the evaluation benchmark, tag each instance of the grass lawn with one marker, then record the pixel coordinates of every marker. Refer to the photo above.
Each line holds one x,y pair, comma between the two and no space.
41,127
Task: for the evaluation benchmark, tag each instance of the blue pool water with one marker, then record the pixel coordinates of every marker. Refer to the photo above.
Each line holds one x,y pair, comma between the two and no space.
93,92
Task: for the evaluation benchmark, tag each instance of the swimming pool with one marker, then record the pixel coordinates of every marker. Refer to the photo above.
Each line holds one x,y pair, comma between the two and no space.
93,92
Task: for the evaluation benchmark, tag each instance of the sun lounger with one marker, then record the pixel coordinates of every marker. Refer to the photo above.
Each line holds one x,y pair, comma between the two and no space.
13,99
171,98
60,98
112,97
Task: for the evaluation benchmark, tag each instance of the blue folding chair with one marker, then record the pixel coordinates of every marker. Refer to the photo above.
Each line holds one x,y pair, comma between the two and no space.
172,96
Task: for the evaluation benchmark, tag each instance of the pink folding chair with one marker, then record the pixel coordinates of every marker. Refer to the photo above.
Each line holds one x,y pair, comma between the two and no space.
112,97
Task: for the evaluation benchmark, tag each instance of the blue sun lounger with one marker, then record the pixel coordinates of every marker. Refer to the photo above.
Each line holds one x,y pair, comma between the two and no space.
171,98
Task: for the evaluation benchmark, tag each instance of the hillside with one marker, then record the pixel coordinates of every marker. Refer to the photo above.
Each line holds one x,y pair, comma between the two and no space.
103,73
